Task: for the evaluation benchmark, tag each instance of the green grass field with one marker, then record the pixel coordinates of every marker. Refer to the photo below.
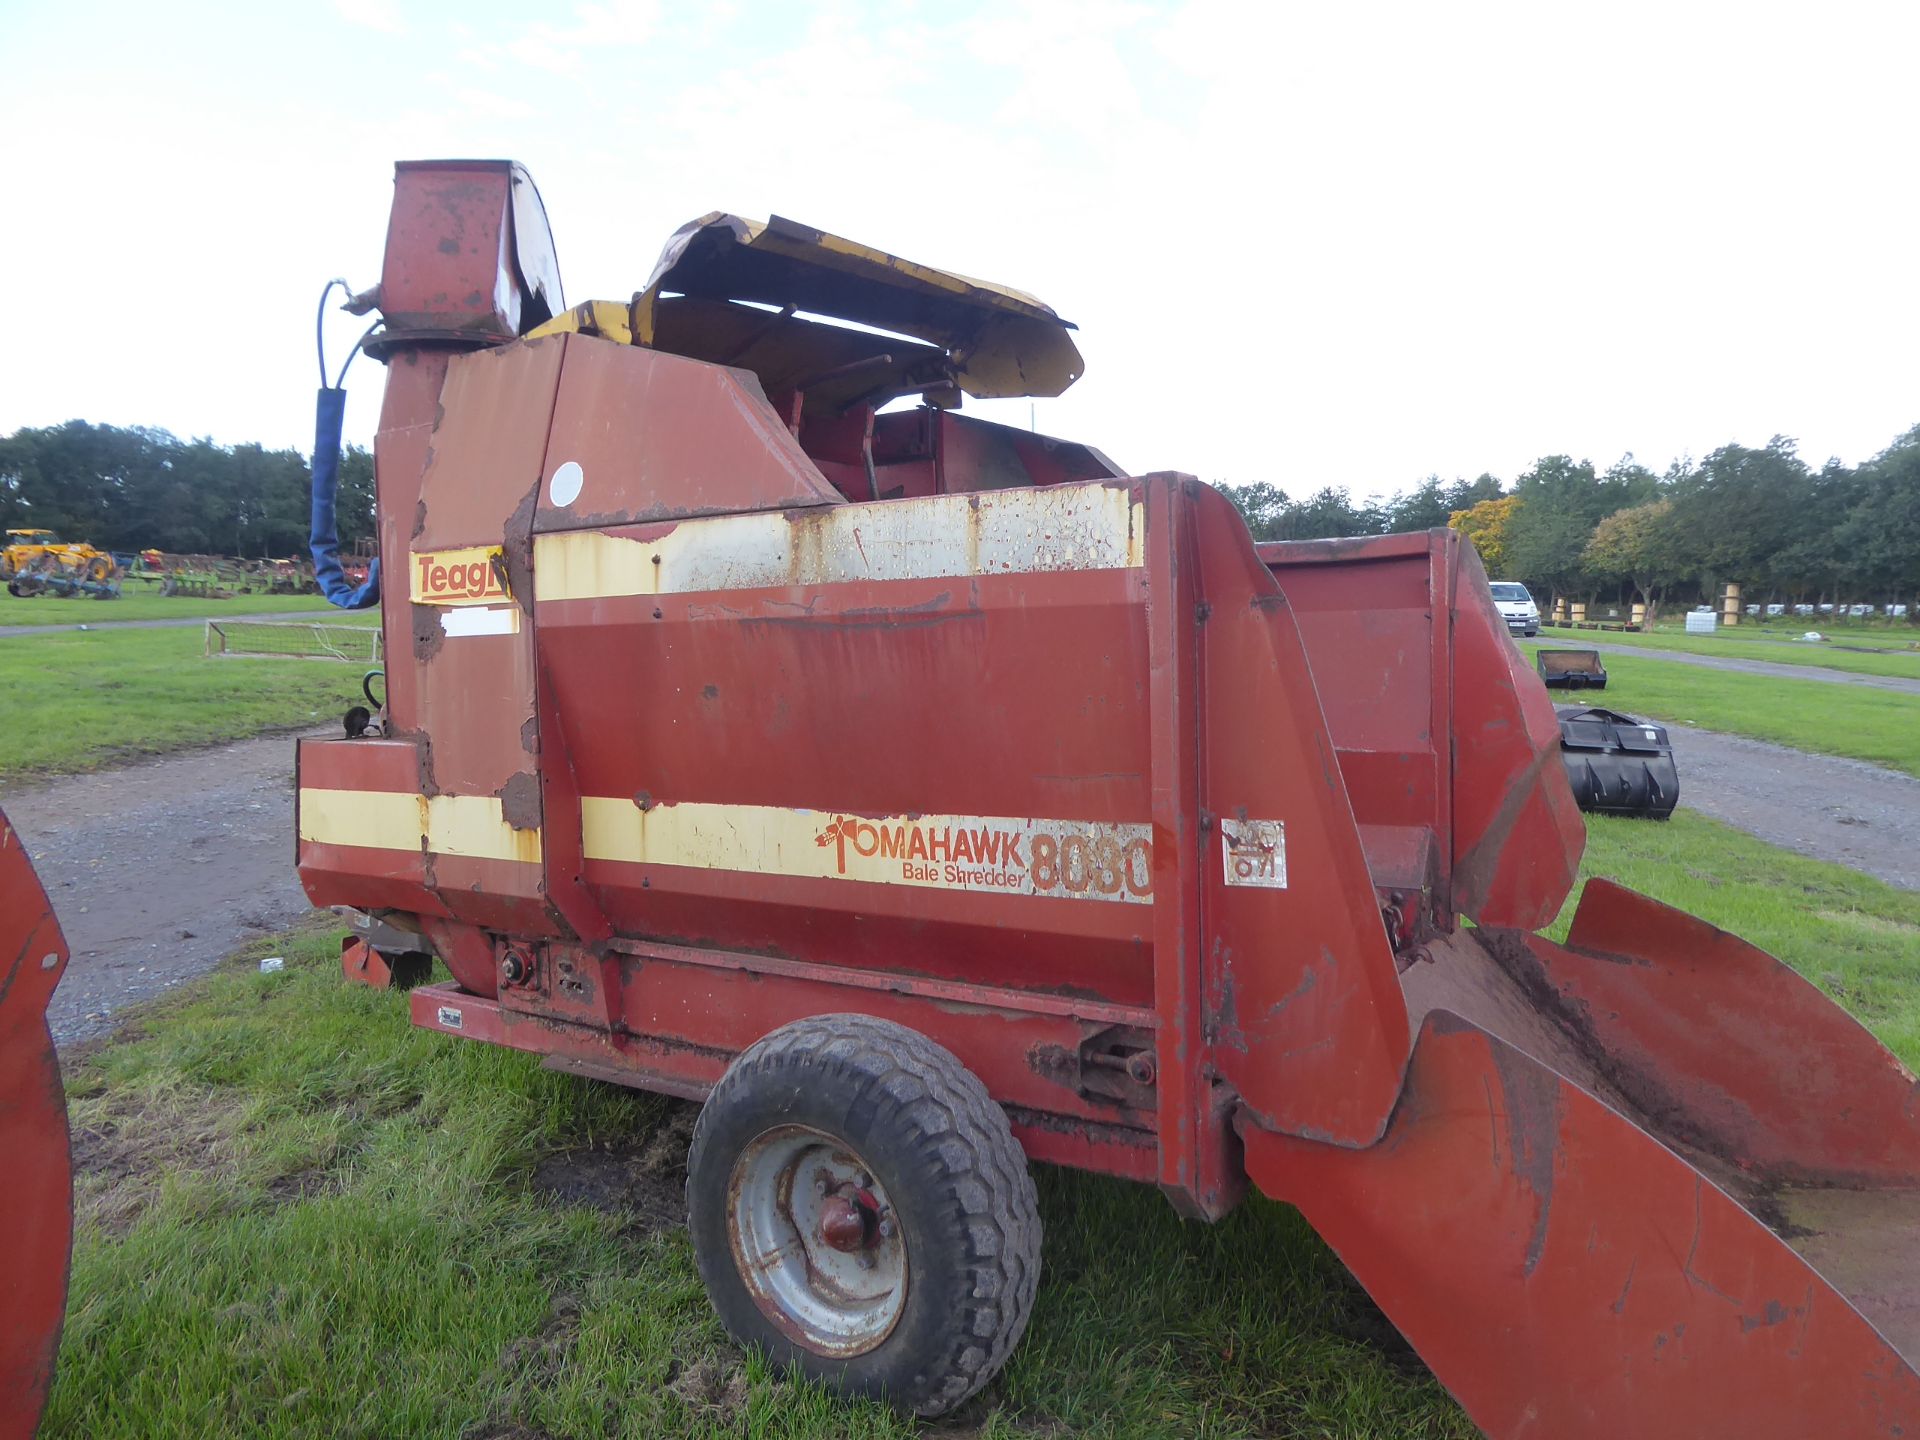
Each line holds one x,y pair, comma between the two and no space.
137,605
1900,664
301,1217
76,700
1853,720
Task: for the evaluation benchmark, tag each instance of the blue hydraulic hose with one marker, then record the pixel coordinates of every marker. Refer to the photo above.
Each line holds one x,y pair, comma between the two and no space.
329,411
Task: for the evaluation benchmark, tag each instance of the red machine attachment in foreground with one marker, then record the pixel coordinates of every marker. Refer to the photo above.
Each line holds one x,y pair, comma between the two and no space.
925,794
33,1136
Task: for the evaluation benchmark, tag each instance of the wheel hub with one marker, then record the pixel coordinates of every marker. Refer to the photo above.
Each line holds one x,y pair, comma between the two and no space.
816,1241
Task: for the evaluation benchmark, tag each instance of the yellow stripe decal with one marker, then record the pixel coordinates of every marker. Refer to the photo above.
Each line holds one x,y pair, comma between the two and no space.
466,825
1004,532
1072,859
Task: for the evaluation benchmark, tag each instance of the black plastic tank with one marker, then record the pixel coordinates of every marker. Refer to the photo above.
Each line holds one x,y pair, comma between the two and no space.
1616,764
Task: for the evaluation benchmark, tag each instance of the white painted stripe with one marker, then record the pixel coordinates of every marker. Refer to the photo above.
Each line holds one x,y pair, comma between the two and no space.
1070,859
1065,527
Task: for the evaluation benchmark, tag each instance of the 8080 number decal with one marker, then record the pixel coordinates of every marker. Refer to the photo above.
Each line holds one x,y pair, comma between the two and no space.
1079,864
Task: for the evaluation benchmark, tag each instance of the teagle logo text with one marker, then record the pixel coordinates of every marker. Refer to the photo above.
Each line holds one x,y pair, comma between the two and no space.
459,577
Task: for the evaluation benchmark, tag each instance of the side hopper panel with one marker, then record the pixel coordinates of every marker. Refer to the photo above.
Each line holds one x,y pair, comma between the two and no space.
1307,1022
33,1137
1566,1275
1517,834
1769,1074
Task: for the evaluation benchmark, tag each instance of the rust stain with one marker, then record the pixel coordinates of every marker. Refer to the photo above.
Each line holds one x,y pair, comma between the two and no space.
520,801
428,634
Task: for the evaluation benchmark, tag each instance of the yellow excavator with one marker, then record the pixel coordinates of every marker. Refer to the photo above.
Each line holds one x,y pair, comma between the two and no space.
37,562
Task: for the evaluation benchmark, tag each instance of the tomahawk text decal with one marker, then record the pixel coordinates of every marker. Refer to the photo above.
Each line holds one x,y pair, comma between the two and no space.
1254,852
474,576
1068,859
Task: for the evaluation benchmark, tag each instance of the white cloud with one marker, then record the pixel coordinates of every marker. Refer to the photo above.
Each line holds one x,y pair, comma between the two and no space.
1308,244
381,15
573,48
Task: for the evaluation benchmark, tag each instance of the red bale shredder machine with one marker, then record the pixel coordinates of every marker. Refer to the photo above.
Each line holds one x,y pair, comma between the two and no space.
928,797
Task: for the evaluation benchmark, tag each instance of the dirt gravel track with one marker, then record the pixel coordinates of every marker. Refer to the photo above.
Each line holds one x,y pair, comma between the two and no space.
1844,811
160,870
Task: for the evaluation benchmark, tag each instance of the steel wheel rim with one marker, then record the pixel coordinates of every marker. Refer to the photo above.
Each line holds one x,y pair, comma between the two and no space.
788,1188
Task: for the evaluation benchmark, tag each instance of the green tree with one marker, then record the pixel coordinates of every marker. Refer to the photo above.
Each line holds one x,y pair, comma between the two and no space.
1741,509
1564,499
1262,505
1637,545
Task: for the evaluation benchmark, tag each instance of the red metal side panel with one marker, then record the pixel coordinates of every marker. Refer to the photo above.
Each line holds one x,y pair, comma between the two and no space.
1307,1024
981,694
660,437
33,1136
447,247
1566,1276
1517,834
1439,724
377,870
1196,1170
474,663
400,450
1769,1073
1366,612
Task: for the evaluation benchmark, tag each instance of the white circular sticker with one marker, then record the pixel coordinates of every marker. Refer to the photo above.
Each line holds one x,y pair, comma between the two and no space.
564,488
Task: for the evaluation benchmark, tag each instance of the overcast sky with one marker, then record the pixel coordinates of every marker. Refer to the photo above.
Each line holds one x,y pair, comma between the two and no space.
1306,244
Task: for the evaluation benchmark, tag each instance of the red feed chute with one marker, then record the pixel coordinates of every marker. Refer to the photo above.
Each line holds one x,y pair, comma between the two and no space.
33,1136
721,702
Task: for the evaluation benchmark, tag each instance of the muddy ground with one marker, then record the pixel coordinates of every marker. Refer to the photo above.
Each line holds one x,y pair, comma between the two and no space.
161,869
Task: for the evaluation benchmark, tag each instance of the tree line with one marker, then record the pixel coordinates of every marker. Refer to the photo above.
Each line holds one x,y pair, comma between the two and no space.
136,488
1760,517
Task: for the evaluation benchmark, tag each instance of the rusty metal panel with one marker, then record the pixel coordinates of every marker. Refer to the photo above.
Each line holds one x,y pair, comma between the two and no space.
1517,834
401,448
712,444
780,676
1566,1275
474,667
1438,723
1306,1019
685,1015
33,1136
1724,1047
469,257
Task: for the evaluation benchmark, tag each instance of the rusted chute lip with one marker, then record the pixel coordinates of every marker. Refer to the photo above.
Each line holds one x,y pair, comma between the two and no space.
1004,343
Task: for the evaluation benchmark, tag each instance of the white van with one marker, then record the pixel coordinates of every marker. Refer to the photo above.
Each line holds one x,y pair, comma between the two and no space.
1516,607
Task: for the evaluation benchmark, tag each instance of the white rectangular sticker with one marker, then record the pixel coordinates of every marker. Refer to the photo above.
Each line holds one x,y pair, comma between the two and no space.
1070,859
449,1017
480,620
1255,852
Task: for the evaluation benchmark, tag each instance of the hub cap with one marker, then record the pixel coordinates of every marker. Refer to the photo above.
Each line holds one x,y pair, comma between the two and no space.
816,1241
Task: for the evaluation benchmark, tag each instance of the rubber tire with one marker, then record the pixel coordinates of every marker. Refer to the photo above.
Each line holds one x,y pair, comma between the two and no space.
956,1178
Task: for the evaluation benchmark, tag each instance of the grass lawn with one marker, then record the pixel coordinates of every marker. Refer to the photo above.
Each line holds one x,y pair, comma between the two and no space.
1882,726
74,700
1903,664
139,605
301,1217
